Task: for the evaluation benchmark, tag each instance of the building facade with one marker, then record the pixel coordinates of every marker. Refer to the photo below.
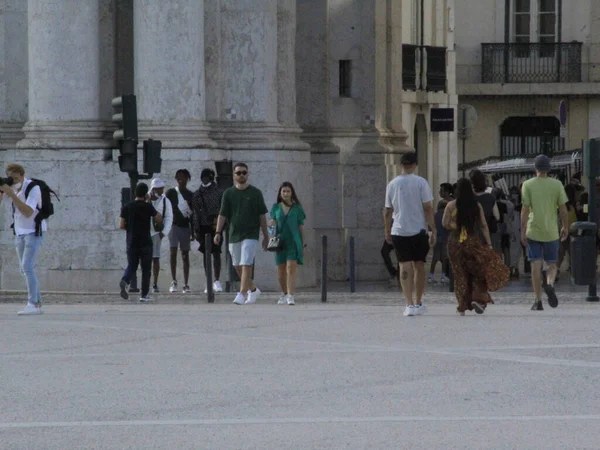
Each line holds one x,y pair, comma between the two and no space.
304,91
517,61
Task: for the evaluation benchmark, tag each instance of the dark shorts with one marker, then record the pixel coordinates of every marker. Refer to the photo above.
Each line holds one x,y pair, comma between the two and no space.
439,251
204,230
411,248
180,237
543,251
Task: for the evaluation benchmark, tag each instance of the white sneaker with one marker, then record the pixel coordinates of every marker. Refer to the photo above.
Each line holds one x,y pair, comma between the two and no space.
239,299
155,289
217,286
186,289
290,300
173,287
431,279
252,296
444,279
145,299
420,309
30,310
410,311
282,299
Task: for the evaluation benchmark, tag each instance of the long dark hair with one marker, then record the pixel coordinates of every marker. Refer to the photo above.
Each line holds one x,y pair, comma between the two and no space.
467,206
287,184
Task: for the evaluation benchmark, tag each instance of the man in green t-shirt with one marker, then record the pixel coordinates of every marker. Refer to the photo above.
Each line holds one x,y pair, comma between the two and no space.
542,197
243,208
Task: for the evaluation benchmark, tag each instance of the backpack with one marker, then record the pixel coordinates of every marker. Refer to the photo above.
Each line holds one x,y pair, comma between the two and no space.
47,208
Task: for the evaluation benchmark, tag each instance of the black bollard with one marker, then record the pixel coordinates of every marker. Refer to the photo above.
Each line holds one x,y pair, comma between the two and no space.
323,268
351,264
210,293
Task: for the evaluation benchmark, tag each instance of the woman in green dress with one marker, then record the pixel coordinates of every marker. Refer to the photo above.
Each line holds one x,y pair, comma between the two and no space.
287,218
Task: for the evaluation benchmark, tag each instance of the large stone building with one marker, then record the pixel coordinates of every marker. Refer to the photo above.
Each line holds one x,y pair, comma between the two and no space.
517,60
316,92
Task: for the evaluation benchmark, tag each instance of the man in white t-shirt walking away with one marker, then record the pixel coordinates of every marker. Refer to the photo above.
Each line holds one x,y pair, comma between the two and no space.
28,238
409,200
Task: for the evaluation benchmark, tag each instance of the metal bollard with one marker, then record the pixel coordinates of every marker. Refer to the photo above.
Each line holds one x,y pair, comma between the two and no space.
351,264
210,293
324,269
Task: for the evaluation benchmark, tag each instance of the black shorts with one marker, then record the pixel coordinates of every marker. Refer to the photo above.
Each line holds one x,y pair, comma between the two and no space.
411,248
208,230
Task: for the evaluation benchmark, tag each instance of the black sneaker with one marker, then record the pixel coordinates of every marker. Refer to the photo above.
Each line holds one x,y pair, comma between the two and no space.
552,299
537,306
134,290
478,307
123,285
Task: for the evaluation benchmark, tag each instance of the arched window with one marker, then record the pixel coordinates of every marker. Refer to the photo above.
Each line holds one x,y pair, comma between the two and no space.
520,136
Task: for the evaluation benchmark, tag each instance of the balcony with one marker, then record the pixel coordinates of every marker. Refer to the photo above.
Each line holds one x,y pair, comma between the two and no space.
531,63
427,76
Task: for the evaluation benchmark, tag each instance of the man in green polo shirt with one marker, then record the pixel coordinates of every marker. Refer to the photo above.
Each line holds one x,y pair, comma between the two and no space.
243,208
542,198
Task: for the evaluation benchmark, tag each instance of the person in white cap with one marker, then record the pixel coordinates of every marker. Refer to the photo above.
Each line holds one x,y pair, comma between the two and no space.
159,230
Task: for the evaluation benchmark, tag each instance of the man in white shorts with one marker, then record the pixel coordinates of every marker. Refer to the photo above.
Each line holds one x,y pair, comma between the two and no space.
158,231
244,209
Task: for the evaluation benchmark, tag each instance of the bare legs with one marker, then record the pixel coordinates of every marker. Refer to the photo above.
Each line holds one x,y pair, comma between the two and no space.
287,273
245,274
185,258
412,277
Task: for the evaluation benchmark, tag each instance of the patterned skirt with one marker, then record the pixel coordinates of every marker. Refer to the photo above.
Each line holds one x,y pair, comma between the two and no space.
477,269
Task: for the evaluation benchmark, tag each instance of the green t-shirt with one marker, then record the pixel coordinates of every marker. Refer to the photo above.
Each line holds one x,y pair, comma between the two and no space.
543,196
243,209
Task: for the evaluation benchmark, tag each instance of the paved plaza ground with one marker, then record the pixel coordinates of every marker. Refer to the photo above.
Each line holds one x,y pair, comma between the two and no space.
97,372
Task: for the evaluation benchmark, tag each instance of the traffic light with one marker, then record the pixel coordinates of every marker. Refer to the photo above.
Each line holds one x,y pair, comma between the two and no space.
126,134
224,173
152,159
126,118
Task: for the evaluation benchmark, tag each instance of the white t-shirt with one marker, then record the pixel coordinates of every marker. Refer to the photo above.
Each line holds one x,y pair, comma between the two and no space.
405,195
26,225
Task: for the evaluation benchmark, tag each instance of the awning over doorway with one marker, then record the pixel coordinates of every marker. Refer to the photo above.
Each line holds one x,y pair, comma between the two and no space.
526,164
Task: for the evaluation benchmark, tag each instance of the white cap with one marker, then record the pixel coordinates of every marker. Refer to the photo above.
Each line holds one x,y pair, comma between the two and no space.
157,183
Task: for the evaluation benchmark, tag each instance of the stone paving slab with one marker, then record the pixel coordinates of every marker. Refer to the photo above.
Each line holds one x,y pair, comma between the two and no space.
315,376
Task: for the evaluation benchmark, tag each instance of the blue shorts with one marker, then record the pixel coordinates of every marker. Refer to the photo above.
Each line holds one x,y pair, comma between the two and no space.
546,251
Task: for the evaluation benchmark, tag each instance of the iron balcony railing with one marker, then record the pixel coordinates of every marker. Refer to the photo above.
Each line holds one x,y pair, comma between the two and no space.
423,68
531,63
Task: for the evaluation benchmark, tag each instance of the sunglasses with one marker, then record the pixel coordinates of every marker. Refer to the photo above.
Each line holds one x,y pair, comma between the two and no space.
241,173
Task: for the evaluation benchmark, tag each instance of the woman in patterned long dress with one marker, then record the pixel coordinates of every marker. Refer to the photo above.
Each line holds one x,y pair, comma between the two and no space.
476,267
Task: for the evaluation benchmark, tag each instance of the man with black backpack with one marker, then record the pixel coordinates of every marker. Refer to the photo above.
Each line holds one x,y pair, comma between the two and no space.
31,207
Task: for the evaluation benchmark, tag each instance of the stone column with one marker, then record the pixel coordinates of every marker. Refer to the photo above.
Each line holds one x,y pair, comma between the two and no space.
169,72
64,76
13,67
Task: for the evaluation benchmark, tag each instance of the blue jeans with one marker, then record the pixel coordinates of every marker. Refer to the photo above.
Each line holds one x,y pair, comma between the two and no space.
28,249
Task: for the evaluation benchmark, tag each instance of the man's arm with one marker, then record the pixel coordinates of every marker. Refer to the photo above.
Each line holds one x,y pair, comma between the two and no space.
263,226
564,220
524,220
387,223
429,215
24,208
122,224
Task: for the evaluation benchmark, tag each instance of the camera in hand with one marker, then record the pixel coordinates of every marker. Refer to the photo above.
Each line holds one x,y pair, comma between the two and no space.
8,181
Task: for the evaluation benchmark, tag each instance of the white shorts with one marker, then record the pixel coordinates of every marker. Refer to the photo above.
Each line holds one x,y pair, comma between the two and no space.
243,253
156,244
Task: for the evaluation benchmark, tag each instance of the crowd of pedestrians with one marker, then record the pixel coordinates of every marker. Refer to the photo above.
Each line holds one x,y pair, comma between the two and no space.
479,230
476,233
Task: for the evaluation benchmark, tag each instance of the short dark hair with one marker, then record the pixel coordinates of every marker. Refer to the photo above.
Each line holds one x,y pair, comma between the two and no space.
408,159
141,190
478,180
240,164
184,172
447,186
